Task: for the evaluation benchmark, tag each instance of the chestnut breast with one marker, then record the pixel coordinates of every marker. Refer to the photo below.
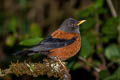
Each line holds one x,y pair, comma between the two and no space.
66,52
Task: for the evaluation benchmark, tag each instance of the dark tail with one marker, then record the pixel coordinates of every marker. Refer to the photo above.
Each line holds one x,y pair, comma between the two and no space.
22,53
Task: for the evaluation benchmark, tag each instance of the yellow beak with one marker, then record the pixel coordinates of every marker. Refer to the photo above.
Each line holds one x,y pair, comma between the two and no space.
80,22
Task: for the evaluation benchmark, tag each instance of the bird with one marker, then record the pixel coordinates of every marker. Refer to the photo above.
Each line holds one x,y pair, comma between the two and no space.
62,44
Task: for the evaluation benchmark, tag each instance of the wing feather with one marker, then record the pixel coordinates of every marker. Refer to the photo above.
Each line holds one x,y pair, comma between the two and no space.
47,44
52,43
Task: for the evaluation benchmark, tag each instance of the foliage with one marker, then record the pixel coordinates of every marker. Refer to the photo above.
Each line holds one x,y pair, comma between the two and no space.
24,23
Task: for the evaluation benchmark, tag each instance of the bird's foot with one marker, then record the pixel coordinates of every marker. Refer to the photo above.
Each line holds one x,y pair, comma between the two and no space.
66,75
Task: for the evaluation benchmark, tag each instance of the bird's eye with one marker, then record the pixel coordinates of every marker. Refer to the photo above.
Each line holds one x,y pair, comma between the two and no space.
72,25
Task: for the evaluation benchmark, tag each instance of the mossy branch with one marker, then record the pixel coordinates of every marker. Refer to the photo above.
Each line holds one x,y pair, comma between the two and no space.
48,67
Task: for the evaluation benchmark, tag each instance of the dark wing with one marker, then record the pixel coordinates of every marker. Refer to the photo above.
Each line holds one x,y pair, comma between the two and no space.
52,43
47,44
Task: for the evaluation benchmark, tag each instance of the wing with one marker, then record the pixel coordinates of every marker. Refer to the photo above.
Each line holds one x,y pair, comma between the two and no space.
51,43
47,44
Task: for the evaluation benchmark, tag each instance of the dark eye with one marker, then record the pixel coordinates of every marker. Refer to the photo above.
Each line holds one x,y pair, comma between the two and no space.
72,25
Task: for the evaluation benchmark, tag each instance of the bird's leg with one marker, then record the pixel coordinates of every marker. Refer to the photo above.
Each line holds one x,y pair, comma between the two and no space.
66,74
58,60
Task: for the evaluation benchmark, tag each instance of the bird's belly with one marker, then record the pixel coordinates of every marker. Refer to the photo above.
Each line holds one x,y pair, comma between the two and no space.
67,51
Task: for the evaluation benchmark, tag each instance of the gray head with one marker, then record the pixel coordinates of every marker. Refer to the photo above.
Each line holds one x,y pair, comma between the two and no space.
71,26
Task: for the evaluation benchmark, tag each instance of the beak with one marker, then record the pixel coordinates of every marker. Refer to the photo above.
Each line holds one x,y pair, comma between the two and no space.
80,22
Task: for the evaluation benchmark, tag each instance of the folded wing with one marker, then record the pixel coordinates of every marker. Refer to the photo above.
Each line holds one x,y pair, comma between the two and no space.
46,45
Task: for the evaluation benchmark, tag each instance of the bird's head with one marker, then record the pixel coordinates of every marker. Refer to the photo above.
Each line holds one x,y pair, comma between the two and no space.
71,26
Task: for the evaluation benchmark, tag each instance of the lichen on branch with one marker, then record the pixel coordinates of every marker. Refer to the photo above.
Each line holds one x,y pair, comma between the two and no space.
48,67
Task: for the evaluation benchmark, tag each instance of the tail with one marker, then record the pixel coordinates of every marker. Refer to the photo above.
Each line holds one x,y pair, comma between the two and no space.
23,53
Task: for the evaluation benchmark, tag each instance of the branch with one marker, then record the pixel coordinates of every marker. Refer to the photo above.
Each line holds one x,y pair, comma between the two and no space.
114,14
113,11
48,67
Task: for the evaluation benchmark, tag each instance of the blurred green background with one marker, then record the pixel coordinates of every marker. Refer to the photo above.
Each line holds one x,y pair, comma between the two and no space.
24,23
